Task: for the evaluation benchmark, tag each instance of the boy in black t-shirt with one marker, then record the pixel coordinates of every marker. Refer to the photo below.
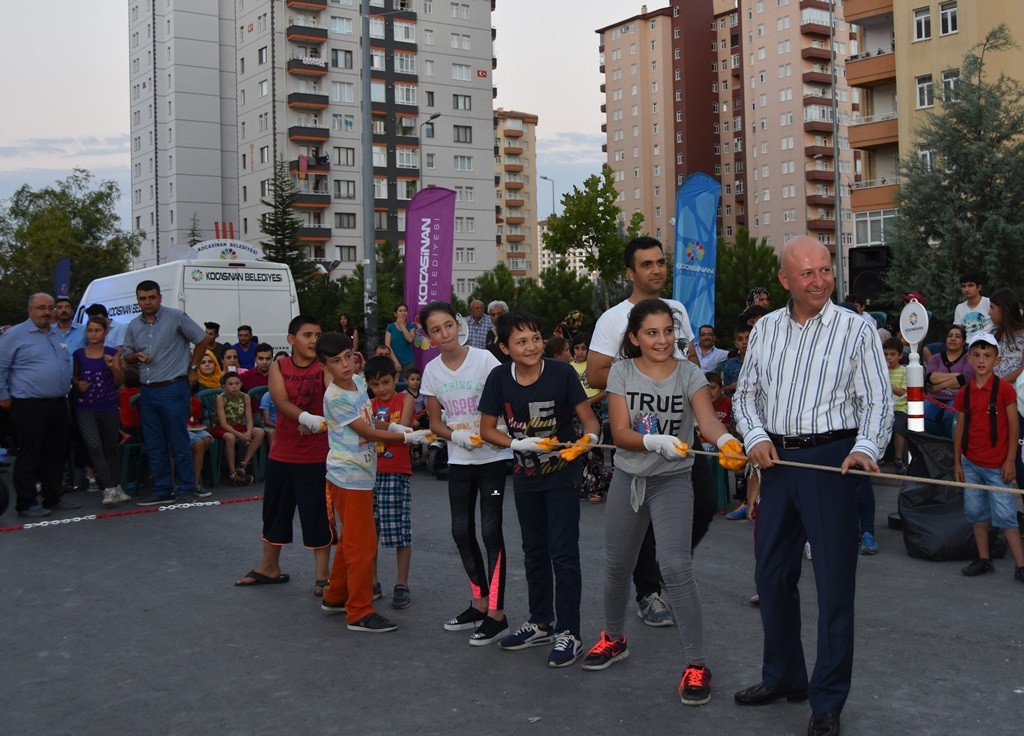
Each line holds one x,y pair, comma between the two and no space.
536,398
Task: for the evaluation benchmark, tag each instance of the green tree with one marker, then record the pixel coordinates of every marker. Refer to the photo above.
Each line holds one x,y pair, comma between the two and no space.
741,265
350,295
195,234
77,219
281,227
963,209
591,221
561,290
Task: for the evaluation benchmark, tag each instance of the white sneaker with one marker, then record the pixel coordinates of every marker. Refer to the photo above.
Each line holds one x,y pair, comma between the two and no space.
109,497
654,612
807,550
121,495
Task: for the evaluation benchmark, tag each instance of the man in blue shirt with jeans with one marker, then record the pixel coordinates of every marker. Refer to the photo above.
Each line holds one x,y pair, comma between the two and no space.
157,341
35,376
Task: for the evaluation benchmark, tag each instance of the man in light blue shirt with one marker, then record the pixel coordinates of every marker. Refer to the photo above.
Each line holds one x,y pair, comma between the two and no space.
35,376
159,342
71,334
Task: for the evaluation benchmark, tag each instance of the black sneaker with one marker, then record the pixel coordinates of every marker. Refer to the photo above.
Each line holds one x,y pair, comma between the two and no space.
490,631
979,567
373,623
401,598
468,619
527,635
695,687
1018,574
154,500
606,651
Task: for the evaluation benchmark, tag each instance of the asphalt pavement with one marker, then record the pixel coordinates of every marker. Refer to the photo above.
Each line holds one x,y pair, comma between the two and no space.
132,625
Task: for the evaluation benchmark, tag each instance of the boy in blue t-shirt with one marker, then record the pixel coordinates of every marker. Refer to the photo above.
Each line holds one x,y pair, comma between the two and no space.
732,367
536,398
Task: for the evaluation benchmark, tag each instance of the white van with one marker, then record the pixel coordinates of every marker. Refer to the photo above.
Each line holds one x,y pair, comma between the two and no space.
228,292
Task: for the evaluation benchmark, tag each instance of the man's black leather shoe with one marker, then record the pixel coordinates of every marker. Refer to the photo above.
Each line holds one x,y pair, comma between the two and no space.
761,694
823,724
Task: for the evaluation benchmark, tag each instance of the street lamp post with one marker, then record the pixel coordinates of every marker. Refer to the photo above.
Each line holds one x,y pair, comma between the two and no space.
552,182
429,120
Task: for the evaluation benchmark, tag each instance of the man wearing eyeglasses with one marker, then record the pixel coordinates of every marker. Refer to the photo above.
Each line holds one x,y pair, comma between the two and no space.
35,376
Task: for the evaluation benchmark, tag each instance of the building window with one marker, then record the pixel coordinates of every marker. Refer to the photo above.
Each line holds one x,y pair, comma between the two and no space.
925,91
345,220
265,154
463,163
341,25
460,72
922,24
341,59
344,189
405,63
950,80
465,224
262,56
342,91
948,21
462,102
462,134
344,156
264,88
405,94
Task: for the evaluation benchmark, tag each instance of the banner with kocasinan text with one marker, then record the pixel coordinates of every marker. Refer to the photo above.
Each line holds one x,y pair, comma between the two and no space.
429,246
693,277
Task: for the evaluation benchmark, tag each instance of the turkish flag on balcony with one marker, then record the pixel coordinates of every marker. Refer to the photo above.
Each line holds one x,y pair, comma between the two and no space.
303,166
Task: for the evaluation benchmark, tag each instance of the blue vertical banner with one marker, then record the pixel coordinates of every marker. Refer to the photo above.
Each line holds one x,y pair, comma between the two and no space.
693,278
62,278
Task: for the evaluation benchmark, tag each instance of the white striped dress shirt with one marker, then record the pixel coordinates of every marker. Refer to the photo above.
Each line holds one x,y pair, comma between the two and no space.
827,375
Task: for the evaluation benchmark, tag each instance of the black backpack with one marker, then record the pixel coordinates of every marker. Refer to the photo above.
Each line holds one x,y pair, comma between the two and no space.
993,433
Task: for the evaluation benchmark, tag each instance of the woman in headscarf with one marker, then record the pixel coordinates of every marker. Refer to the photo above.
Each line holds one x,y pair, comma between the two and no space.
210,371
570,326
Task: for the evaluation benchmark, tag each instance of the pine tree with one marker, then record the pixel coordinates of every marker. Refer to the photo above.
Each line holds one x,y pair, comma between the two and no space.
281,227
742,265
964,208
195,235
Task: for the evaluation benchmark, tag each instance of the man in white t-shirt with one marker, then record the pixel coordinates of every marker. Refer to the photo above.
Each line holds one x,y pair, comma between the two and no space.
973,312
647,269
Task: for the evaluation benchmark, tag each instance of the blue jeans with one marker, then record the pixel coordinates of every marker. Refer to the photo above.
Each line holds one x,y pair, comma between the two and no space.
938,421
163,411
992,506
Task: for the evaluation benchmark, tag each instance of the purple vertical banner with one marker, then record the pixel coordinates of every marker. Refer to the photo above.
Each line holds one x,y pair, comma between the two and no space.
429,245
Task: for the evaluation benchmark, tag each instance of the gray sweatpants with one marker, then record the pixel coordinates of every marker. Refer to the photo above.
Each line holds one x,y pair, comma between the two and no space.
668,506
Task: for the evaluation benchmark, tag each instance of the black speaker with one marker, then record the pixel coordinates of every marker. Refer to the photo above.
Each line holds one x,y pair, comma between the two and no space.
868,266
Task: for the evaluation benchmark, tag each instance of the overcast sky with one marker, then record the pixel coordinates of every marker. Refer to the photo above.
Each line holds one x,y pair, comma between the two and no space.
66,101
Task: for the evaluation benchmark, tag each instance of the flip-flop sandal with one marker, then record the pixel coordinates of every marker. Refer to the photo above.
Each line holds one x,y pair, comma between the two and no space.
261,579
319,585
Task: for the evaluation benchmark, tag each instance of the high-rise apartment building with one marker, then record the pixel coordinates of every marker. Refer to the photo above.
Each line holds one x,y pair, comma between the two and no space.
515,181
908,64
573,260
267,80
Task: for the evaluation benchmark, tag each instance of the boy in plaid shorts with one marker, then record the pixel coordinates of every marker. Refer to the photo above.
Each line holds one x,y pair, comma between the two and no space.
392,501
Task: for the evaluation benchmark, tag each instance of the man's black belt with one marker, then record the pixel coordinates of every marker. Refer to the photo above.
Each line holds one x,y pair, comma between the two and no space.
159,384
801,441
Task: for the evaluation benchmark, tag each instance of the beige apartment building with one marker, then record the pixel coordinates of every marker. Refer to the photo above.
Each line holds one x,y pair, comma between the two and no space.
908,65
515,181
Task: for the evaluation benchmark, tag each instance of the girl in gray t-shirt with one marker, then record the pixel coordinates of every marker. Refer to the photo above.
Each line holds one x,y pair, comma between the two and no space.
653,399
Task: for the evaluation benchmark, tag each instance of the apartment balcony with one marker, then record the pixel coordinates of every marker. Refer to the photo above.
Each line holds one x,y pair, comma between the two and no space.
514,186
877,194
818,126
513,168
297,133
855,11
601,68
872,68
823,151
313,200
497,240
309,66
494,62
604,148
513,150
815,76
817,98
824,223
307,101
874,131
821,200
494,93
604,108
740,196
741,219
603,90
312,166
604,127
515,203
306,4
820,30
314,234
513,133
816,4
494,33
306,34
512,238
515,220
813,52
820,175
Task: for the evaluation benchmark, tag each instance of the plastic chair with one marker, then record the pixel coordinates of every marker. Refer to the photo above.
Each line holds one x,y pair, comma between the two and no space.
129,450
208,397
259,460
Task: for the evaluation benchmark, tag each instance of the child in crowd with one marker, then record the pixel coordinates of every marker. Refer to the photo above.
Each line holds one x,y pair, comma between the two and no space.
557,348
413,380
653,399
595,477
235,425
130,420
452,382
351,474
269,412
537,397
722,405
893,350
985,452
392,500
199,440
731,367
